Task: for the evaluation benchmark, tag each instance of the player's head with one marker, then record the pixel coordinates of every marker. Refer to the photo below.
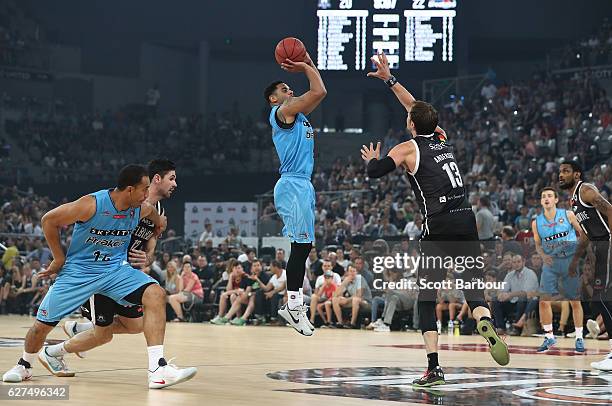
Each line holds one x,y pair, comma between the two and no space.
134,182
422,119
549,198
162,173
570,173
277,92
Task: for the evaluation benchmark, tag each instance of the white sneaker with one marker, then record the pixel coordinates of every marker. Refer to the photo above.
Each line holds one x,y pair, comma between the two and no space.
18,373
69,328
603,365
571,335
382,329
439,325
56,365
309,324
169,375
296,319
374,324
593,328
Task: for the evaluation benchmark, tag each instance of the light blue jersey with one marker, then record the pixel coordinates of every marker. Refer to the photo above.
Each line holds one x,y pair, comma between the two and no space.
558,237
101,243
96,262
294,145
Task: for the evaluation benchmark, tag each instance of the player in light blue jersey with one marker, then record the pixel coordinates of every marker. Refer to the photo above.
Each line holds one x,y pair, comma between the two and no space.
96,262
554,232
294,195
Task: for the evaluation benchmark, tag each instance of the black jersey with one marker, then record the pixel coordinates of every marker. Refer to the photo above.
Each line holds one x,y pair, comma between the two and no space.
436,179
144,231
593,223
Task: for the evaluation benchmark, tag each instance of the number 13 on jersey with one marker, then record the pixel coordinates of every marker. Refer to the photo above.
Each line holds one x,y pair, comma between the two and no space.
453,174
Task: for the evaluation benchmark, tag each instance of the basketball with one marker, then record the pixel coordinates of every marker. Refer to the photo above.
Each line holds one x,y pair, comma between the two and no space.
290,48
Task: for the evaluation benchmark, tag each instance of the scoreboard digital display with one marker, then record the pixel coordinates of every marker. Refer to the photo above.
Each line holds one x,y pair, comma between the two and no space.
408,31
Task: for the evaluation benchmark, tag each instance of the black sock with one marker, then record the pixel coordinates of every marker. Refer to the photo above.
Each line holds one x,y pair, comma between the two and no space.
24,363
432,361
486,318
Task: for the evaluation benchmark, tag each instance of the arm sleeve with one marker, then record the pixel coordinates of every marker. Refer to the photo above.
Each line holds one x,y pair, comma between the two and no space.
379,168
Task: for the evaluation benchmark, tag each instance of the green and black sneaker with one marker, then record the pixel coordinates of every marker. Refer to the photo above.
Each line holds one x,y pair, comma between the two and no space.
497,346
431,378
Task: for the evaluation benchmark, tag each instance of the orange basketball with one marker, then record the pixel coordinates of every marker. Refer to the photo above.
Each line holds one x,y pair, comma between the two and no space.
290,48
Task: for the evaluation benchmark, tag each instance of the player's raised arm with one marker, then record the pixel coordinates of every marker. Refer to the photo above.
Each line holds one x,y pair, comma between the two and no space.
307,102
383,72
80,210
398,156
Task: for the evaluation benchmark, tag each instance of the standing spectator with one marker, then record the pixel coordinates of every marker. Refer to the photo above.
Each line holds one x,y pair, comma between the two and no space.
485,222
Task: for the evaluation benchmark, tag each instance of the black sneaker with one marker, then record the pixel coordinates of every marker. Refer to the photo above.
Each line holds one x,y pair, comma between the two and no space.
431,378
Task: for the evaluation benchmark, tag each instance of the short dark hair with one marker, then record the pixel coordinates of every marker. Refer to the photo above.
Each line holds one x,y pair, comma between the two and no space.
484,201
270,89
131,175
160,167
276,264
509,231
547,189
425,117
575,166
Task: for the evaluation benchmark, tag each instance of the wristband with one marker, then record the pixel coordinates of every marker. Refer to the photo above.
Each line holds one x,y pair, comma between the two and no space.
392,81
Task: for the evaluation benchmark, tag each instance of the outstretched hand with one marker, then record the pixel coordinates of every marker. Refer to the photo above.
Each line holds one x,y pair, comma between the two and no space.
383,71
369,153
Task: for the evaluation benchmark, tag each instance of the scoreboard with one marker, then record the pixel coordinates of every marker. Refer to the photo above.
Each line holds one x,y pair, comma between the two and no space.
408,31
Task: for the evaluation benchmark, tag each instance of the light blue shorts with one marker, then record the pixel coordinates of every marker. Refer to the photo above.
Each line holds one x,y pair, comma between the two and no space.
555,279
74,286
294,198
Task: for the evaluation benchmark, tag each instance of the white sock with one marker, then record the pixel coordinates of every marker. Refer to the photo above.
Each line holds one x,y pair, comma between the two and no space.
56,350
295,299
155,353
31,358
80,327
578,332
548,329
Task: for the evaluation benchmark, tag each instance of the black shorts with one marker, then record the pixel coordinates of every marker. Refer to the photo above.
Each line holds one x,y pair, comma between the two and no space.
451,257
462,221
603,269
106,308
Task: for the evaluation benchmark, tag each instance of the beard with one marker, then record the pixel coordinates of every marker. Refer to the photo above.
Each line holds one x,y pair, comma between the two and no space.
567,185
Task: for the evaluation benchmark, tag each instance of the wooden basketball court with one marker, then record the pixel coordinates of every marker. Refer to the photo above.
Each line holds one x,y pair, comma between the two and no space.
276,366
